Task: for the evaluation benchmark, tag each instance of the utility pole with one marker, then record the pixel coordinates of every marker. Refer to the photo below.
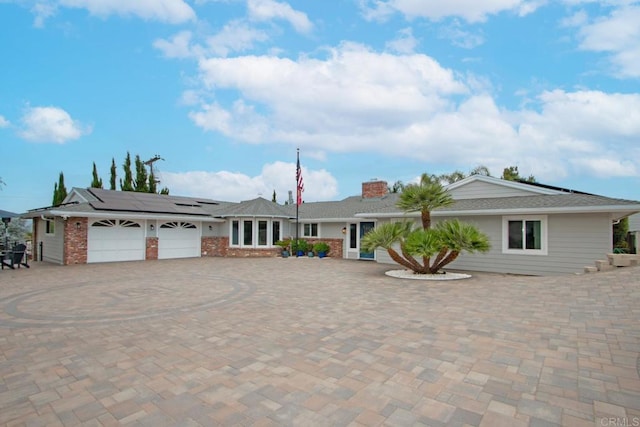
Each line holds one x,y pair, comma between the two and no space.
150,163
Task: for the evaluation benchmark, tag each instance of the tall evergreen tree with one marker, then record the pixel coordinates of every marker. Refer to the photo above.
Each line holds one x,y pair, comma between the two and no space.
273,197
141,182
512,174
59,191
153,184
127,184
96,182
112,178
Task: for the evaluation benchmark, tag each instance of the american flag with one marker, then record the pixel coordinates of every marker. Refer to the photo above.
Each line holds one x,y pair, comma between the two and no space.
300,183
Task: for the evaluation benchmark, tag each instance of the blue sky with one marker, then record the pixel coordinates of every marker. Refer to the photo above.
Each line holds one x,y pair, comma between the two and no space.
226,90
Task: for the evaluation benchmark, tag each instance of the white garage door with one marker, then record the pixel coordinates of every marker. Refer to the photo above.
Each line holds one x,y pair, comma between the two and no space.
178,239
115,240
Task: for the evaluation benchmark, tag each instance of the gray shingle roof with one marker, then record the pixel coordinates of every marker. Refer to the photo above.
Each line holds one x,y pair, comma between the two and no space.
131,203
251,208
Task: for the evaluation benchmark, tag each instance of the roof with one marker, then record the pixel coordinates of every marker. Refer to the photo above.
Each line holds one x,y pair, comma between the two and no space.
346,208
539,199
251,208
97,201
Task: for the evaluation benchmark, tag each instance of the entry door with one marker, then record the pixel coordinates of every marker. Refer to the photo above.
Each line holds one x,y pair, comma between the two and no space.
365,227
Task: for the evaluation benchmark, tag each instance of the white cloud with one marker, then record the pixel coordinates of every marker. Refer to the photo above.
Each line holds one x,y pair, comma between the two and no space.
236,187
50,124
460,37
358,100
618,35
42,11
405,42
4,122
266,10
171,11
235,36
353,91
469,10
178,46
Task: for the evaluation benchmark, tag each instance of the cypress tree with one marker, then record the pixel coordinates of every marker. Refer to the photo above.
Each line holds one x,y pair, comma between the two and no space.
142,180
59,191
127,184
112,179
153,187
96,182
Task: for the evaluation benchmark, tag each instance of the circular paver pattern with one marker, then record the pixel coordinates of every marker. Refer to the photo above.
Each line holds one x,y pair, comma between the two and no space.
101,302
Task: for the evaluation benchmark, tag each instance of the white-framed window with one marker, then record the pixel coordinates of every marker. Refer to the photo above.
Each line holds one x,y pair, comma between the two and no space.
50,226
310,230
525,235
255,232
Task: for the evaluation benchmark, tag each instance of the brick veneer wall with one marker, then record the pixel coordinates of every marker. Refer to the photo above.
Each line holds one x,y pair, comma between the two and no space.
151,250
214,246
336,246
219,247
75,241
373,189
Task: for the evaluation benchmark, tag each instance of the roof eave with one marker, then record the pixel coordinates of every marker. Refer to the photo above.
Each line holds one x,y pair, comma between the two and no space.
626,209
122,215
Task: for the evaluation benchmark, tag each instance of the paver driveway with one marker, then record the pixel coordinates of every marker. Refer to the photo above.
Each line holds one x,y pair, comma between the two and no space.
310,342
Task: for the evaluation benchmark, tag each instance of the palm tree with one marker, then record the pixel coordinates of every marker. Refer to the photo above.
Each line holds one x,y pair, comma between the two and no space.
423,198
445,242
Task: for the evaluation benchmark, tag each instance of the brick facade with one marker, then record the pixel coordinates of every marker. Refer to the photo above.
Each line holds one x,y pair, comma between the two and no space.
219,247
76,234
151,250
373,189
75,241
336,246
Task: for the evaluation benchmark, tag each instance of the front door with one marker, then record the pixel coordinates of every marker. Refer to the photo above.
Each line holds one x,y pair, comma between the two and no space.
365,227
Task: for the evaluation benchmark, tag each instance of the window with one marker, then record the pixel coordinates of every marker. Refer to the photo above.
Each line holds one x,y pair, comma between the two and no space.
235,233
353,236
247,233
310,230
255,233
49,227
262,233
525,235
275,232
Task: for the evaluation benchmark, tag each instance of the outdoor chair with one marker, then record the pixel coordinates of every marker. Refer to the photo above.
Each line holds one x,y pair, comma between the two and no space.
16,256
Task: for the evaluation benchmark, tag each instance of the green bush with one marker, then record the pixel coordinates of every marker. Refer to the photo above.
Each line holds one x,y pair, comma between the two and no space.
321,247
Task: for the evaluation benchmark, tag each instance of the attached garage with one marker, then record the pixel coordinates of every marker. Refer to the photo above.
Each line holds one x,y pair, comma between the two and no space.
179,239
111,240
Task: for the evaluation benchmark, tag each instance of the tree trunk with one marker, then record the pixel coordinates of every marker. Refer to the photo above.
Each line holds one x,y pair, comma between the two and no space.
399,259
411,260
439,258
426,219
447,260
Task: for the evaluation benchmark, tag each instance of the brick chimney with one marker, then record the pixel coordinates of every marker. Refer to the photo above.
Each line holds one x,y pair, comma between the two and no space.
373,189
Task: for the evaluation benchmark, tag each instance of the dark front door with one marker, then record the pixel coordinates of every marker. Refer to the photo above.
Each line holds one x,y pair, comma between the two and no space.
365,227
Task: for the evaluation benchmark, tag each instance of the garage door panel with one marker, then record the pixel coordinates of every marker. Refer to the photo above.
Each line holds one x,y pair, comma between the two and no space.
178,239
115,240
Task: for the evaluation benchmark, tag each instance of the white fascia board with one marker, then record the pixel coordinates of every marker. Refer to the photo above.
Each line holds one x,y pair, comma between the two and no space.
626,209
129,215
345,219
502,182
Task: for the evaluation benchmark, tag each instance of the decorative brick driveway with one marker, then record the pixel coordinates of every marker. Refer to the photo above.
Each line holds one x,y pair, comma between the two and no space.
310,342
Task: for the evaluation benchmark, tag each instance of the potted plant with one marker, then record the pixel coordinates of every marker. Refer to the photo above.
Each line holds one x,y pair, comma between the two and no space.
299,247
321,248
285,245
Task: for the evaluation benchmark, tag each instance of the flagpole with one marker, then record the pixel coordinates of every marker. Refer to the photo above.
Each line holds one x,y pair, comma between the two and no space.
297,197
